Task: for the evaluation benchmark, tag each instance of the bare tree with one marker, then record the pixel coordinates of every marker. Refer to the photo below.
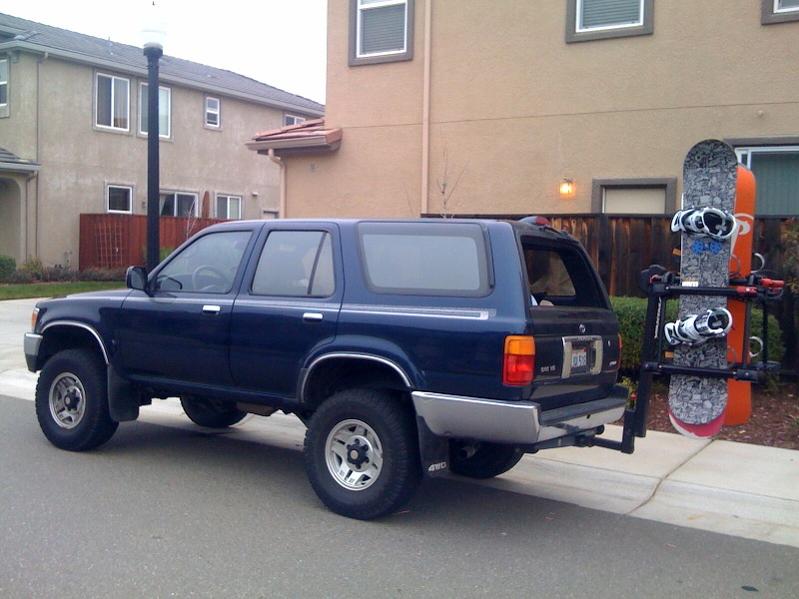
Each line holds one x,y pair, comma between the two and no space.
445,187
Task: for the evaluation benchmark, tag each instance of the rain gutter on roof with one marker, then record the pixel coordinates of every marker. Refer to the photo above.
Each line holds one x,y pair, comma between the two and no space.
316,141
165,77
26,167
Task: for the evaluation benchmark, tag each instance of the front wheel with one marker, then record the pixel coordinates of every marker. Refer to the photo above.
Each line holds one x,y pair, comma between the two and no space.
482,460
211,414
361,453
72,401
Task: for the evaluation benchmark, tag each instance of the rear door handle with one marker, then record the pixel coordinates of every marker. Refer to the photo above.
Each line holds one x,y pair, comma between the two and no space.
211,309
313,317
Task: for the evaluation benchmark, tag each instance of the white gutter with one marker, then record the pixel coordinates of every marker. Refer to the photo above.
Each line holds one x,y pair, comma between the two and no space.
317,141
164,77
282,166
428,16
19,167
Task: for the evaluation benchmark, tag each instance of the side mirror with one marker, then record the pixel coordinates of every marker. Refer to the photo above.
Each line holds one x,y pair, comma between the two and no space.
136,278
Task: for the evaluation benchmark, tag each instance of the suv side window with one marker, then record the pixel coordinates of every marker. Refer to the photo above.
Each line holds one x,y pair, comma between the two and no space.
295,264
208,265
559,276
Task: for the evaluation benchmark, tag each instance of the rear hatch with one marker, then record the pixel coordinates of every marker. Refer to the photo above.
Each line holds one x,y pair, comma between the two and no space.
569,315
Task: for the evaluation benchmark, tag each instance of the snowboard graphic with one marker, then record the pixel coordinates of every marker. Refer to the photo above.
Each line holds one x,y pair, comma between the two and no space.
696,404
739,402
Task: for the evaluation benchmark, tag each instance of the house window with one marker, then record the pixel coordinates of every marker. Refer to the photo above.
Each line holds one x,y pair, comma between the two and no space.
779,11
380,31
119,198
600,19
776,170
634,196
4,82
212,112
112,102
178,203
291,119
228,207
164,111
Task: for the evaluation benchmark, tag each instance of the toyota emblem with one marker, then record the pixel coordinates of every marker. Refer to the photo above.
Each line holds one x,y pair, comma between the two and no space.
581,328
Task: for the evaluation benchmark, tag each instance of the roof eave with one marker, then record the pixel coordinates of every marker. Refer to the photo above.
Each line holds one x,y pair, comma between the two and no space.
317,141
19,167
164,77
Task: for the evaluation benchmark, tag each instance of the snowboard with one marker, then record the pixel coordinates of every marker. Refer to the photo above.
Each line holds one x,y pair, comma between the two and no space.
696,404
739,400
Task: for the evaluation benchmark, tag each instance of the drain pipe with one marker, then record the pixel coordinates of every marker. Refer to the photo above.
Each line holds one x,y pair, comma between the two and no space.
428,16
282,166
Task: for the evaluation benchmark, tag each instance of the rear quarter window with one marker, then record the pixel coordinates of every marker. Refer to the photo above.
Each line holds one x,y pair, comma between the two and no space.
560,276
425,258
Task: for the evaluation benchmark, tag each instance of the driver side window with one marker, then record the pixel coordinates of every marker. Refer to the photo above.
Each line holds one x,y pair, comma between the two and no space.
208,265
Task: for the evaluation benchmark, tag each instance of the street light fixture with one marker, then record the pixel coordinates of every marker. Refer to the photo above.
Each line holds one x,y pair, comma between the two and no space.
153,35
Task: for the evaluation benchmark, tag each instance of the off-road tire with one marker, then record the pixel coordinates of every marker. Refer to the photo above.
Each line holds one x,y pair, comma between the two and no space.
393,422
489,459
211,414
95,427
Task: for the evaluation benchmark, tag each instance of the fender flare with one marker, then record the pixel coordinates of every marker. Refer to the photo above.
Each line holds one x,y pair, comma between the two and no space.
80,325
351,355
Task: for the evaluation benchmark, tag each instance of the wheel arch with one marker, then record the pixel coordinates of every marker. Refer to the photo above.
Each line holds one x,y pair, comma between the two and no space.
67,334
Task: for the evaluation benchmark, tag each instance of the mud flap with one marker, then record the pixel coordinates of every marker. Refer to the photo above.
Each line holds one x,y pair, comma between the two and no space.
433,450
123,398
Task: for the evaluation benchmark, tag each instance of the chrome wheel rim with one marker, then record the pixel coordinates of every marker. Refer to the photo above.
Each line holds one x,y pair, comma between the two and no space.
67,400
354,454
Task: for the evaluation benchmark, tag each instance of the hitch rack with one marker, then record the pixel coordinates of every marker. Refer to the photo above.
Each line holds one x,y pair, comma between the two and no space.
661,285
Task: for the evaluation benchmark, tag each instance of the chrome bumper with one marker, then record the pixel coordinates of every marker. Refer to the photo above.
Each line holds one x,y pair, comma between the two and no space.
512,422
31,346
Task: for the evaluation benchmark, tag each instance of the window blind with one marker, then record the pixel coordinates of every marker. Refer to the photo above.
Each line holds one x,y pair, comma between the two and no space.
383,29
777,176
604,13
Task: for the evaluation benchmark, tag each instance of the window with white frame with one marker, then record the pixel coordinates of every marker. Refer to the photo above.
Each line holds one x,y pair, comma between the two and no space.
3,81
228,206
291,119
776,170
112,102
381,31
213,111
779,11
599,19
781,6
119,199
164,110
179,203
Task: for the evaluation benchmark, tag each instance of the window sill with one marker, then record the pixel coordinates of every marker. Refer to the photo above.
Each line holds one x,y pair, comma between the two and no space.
212,128
356,61
141,135
573,37
114,130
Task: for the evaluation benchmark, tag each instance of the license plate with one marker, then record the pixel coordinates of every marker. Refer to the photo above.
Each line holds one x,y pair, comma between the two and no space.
579,359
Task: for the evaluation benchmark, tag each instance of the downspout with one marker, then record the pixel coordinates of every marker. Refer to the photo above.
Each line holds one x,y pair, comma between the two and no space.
282,166
39,62
428,17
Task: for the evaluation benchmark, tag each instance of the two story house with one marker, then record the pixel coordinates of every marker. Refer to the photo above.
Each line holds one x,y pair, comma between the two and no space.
73,138
508,107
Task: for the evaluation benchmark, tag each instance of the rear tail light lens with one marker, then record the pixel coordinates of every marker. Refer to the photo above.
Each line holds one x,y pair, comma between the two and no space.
519,363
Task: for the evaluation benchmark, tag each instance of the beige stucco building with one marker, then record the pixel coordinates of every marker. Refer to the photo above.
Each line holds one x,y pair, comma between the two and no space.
552,106
74,138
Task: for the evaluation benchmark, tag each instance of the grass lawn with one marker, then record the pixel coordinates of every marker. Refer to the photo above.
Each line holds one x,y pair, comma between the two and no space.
8,292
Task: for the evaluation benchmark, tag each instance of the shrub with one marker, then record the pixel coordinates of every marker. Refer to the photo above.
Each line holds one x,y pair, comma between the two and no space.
7,267
34,267
58,273
20,277
102,274
631,312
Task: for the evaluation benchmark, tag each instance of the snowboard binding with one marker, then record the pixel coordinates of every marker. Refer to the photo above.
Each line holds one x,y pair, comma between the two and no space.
717,224
696,329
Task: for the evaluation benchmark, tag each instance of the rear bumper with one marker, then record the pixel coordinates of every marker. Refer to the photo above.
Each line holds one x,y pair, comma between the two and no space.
31,346
513,422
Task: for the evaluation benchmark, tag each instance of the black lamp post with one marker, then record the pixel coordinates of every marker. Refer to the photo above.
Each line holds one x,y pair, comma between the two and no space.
153,50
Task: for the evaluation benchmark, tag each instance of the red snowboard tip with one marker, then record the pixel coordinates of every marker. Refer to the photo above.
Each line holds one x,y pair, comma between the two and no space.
697,431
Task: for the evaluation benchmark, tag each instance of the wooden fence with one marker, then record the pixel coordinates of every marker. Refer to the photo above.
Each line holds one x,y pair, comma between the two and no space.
119,240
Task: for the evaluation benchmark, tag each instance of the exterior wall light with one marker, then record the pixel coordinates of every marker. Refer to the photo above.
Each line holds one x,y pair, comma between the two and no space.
566,188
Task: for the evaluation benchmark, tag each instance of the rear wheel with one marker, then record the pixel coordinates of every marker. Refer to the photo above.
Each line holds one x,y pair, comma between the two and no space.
482,460
210,413
72,401
361,453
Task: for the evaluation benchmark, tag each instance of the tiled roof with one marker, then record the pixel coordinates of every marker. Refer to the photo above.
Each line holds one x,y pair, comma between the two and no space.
10,161
313,134
30,32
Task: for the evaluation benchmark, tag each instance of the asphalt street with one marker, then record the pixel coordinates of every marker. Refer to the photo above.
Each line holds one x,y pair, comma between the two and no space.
164,511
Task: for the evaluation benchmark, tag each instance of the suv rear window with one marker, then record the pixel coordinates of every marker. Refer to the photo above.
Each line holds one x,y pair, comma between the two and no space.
425,258
560,276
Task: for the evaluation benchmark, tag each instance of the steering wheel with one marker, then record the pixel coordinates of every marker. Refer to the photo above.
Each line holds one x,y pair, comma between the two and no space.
195,277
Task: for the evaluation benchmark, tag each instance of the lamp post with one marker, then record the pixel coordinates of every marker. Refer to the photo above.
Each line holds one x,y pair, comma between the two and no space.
153,35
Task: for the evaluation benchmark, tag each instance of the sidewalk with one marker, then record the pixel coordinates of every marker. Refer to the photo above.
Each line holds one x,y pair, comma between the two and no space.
733,488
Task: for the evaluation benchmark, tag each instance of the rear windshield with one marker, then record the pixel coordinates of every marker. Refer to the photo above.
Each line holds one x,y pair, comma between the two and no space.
560,276
425,258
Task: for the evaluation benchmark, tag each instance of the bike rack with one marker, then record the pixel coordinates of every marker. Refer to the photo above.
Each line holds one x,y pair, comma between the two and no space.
660,286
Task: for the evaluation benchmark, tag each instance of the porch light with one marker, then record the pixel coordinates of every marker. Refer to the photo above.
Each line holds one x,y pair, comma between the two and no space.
566,188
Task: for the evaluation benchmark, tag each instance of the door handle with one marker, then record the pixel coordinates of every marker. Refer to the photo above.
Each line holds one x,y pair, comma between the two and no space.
211,309
313,317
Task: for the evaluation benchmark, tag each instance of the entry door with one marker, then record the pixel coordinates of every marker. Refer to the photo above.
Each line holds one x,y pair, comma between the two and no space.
288,306
181,330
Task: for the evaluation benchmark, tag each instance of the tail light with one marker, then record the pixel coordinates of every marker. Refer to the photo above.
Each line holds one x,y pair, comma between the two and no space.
518,367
